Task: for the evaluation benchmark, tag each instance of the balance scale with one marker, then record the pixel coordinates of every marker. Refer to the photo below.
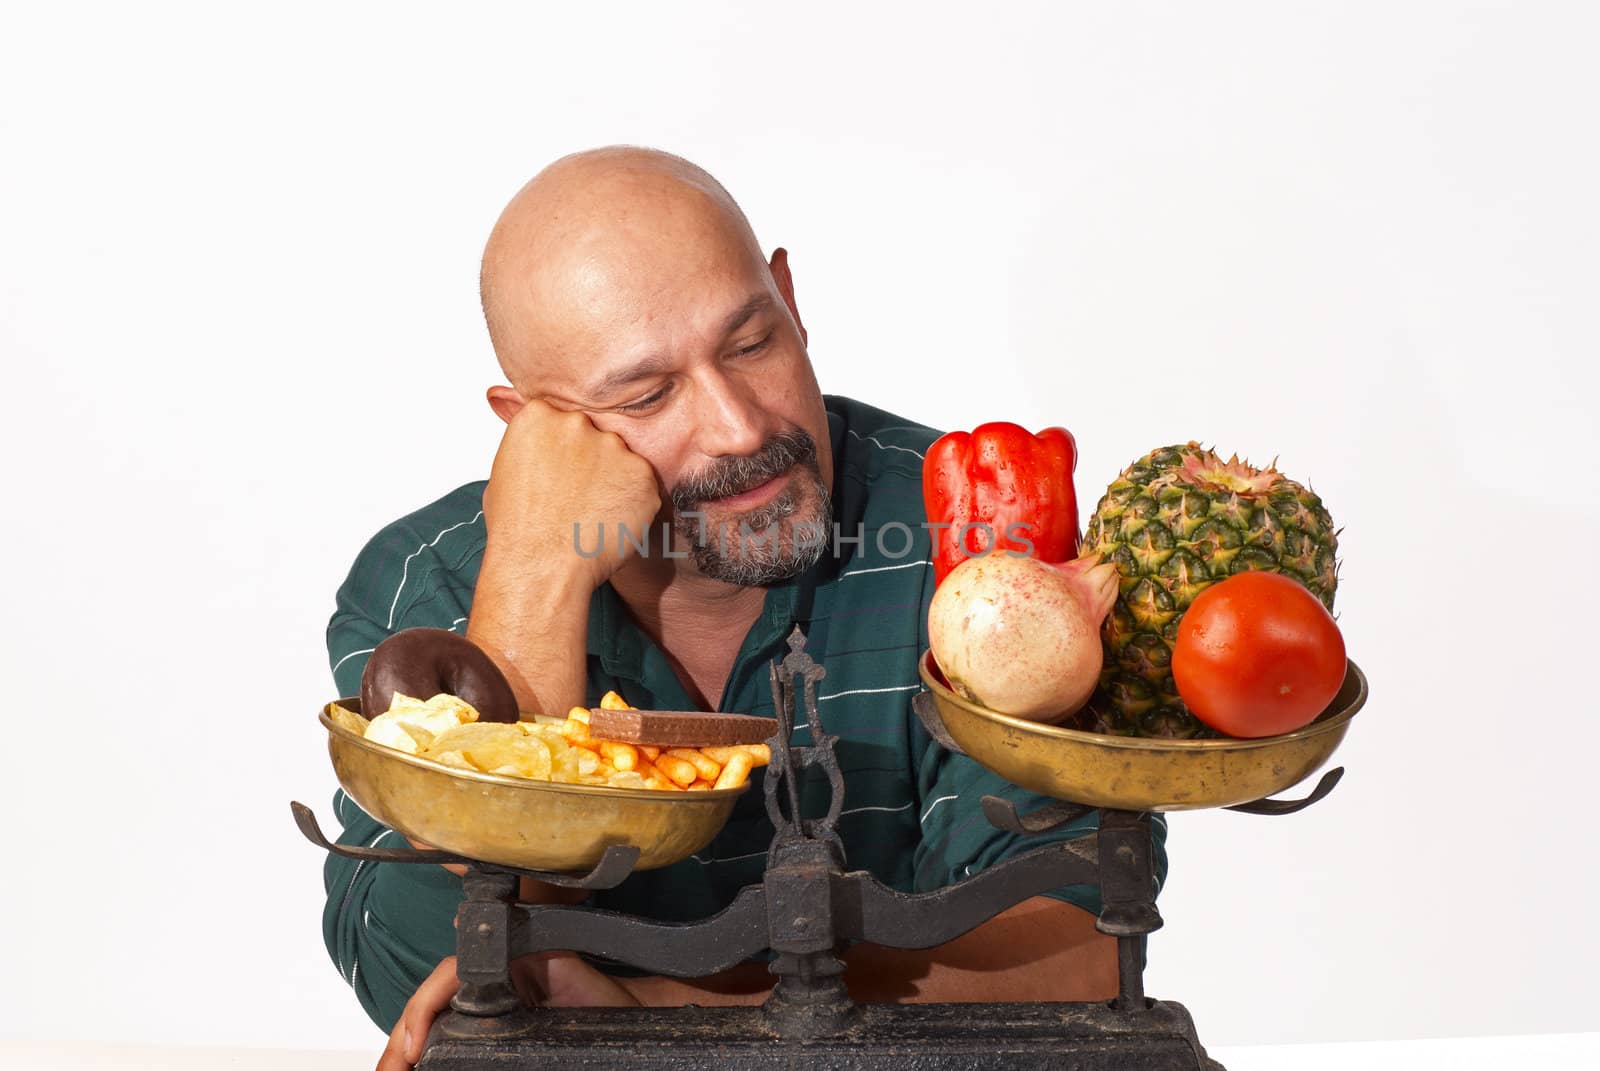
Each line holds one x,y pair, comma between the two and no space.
805,906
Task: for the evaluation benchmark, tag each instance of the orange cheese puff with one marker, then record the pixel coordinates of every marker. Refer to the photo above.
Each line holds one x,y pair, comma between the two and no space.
760,754
706,767
649,751
700,786
622,756
579,714
680,770
613,701
654,778
735,770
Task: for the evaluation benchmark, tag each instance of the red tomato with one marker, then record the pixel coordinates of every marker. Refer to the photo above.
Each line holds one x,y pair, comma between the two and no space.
1257,655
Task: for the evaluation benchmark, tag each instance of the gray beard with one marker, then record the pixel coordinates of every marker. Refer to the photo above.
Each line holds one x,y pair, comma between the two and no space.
734,557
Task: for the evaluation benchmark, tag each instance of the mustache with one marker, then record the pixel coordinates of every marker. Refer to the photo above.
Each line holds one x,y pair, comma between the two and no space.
735,475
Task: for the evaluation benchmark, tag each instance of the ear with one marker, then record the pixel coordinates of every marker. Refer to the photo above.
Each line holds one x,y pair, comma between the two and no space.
506,402
785,281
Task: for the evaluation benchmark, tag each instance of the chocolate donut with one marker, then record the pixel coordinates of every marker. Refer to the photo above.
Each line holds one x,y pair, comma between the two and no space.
422,662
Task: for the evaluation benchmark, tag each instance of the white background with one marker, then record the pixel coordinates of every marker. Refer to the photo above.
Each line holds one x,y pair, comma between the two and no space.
238,255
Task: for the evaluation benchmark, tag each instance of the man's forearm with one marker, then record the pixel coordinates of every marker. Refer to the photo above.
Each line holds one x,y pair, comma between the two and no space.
1041,949
534,623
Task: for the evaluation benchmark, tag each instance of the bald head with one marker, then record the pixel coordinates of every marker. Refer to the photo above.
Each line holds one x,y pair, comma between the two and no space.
594,240
625,285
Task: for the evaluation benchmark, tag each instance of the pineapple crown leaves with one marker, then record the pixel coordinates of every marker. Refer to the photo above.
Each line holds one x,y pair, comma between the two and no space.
1204,467
1233,460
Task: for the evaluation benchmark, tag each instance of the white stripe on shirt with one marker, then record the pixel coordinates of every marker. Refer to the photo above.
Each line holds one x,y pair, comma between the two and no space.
858,810
866,691
352,654
729,859
406,567
883,568
883,446
934,804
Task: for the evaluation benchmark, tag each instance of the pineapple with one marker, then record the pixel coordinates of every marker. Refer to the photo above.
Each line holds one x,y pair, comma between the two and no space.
1176,521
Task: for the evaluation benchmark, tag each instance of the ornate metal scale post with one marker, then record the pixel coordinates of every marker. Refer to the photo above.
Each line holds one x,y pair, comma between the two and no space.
806,906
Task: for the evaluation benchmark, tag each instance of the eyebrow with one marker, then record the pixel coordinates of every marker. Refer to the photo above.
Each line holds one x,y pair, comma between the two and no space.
657,363
736,319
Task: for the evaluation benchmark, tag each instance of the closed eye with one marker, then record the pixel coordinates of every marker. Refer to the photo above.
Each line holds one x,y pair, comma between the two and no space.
650,401
655,398
754,347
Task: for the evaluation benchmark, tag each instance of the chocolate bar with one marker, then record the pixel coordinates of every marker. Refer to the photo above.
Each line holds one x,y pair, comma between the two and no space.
679,728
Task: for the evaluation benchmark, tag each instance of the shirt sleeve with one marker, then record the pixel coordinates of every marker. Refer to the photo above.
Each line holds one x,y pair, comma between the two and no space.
365,606
386,925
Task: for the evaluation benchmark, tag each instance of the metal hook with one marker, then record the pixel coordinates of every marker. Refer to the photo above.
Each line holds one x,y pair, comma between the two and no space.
1275,807
1002,814
923,706
616,862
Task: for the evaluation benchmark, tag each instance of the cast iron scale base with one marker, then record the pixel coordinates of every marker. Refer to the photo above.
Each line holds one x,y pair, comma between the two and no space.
805,906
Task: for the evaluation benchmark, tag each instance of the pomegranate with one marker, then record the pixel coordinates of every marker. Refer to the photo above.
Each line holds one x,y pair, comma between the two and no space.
1021,636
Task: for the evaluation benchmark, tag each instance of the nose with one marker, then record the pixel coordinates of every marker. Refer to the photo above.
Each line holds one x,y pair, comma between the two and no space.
730,422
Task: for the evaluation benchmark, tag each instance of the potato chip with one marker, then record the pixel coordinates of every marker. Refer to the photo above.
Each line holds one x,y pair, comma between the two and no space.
625,779
465,738
550,734
348,720
445,703
562,755
535,761
421,721
390,731
498,748
402,705
588,761
442,710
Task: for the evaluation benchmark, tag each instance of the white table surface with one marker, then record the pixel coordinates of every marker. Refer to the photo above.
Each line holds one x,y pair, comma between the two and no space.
1536,1052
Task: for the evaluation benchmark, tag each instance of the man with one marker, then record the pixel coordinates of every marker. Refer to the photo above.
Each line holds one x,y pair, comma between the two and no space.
659,380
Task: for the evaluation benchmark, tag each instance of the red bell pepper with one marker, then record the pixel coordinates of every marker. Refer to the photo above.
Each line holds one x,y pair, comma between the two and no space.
1000,488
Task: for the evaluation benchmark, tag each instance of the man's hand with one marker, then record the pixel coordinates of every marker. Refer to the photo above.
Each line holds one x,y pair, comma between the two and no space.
556,480
550,979
558,484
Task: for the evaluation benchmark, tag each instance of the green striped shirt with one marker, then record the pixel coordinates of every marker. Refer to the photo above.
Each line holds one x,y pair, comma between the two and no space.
910,814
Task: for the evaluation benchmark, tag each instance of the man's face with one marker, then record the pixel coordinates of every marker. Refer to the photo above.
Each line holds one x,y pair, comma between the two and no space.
688,347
